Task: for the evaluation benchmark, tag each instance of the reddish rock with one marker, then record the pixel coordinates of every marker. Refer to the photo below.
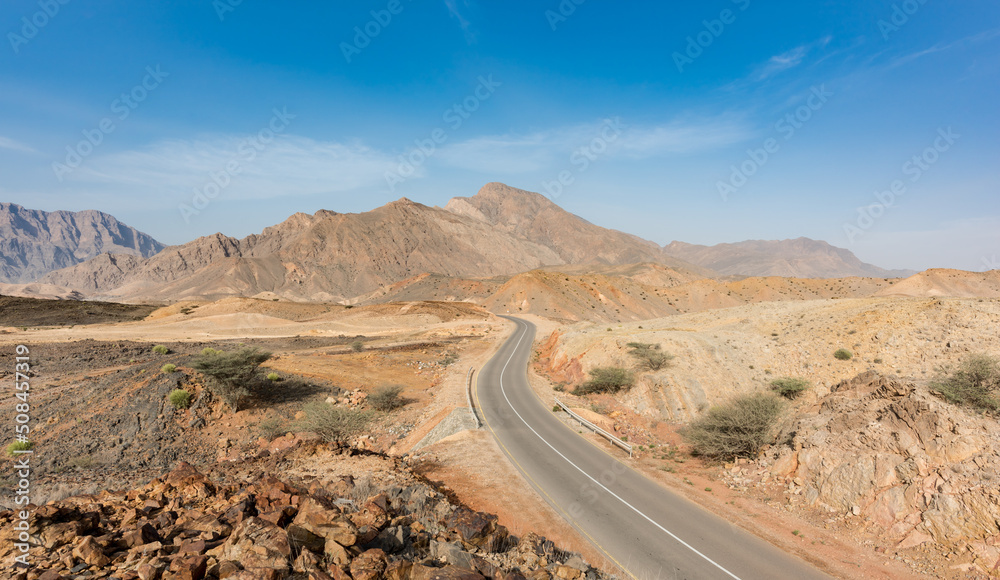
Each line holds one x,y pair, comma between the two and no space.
189,568
369,565
88,550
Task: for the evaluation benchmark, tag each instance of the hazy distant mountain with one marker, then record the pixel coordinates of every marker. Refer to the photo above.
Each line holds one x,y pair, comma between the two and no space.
798,258
34,242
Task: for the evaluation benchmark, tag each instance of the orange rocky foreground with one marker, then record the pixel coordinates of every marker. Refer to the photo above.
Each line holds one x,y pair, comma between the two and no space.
185,526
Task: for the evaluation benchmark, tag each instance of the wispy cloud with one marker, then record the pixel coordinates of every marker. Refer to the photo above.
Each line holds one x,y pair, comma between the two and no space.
171,171
524,153
452,5
787,60
945,46
8,143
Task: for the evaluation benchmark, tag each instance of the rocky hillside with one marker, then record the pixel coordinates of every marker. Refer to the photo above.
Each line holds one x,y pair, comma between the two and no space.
244,525
945,282
907,464
33,242
798,258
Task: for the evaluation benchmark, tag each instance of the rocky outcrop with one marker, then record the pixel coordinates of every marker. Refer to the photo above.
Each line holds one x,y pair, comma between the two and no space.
184,526
919,469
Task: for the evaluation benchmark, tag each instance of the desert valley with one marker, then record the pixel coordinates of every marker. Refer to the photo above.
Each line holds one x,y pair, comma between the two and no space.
296,403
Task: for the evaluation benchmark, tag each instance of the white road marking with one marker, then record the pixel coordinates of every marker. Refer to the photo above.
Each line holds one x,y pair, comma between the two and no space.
613,494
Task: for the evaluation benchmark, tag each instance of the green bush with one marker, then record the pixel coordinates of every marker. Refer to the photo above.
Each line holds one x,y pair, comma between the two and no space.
975,383
160,349
650,356
843,354
386,398
168,368
334,424
273,377
232,374
209,351
179,398
738,428
357,346
789,387
19,446
606,380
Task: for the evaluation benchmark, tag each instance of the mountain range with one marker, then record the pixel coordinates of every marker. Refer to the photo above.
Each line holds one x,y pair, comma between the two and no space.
497,234
34,242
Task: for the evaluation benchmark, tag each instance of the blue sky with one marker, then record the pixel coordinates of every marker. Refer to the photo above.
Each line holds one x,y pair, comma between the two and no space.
871,125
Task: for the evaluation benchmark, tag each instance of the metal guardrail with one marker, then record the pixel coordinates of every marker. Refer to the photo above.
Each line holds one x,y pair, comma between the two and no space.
468,396
614,440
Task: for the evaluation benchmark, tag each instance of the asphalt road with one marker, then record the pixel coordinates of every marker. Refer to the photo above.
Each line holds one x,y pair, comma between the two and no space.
648,531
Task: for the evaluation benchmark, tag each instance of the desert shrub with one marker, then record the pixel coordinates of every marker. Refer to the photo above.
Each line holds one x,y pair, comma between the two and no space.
231,374
357,346
273,428
209,351
19,446
738,428
84,462
273,377
843,354
168,368
334,424
179,398
789,387
386,398
975,383
449,359
160,349
606,380
650,356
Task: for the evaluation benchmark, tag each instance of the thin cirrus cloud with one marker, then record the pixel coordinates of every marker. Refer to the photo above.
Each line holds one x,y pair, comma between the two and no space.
8,143
173,170
525,153
787,60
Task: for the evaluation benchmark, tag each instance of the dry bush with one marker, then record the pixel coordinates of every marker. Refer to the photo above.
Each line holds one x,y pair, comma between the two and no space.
606,380
334,424
975,383
738,428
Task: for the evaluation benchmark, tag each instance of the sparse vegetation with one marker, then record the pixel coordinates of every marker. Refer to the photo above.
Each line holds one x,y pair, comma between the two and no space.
606,380
334,424
273,377
736,429
168,368
84,462
357,346
160,349
448,359
19,446
179,398
843,354
209,351
789,387
975,383
273,428
386,398
231,374
650,356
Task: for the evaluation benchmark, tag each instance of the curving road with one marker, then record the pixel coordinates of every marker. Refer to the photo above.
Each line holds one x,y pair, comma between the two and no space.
648,531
